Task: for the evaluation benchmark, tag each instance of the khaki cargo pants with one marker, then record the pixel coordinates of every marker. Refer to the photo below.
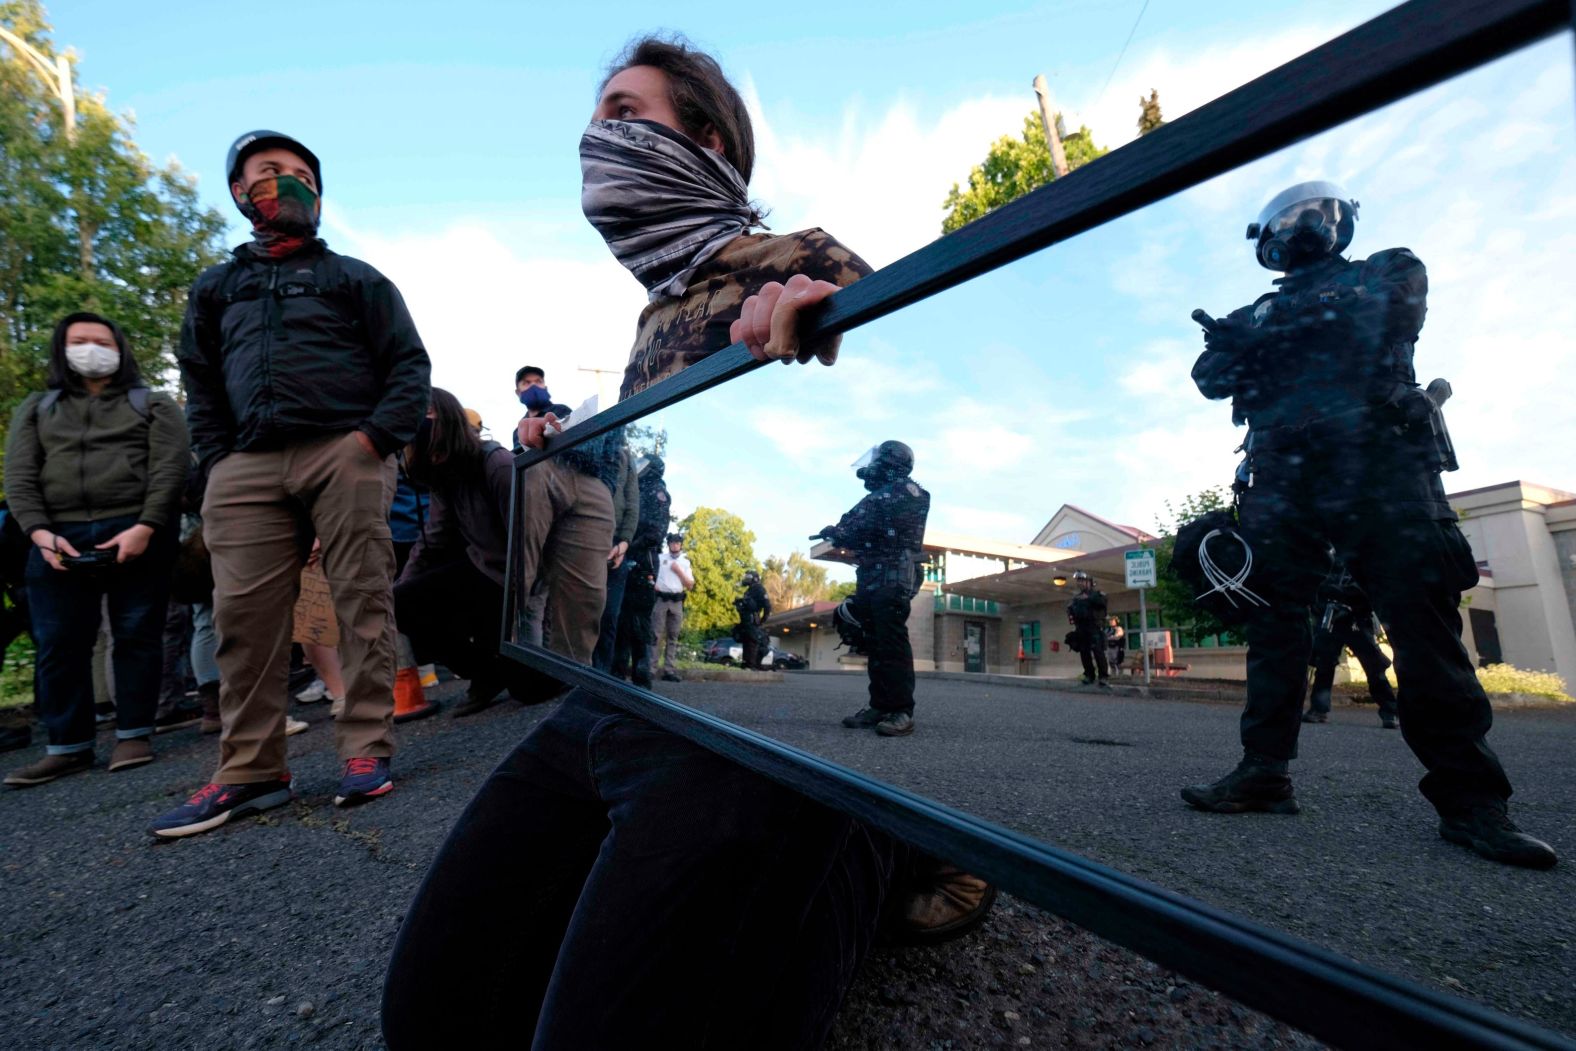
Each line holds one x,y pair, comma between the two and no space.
563,539
261,511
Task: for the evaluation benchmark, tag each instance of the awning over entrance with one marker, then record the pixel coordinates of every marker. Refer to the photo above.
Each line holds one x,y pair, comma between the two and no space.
963,544
1038,583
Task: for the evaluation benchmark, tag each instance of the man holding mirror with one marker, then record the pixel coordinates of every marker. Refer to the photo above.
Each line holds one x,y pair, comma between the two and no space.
613,884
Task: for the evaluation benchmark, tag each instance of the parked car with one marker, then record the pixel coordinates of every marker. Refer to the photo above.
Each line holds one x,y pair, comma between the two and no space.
785,661
727,651
723,651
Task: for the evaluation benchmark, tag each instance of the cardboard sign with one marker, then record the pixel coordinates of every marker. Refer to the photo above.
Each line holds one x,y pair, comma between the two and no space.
315,623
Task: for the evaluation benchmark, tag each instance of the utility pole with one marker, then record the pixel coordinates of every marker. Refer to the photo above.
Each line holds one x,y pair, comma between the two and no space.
57,77
601,402
1058,155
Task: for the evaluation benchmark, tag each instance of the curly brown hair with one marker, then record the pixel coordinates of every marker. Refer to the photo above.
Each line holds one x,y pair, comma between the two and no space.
702,95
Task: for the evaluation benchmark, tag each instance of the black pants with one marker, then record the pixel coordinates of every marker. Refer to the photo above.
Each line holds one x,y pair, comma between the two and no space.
1091,651
756,644
66,609
632,652
614,886
1384,517
1327,647
607,637
452,615
884,614
176,668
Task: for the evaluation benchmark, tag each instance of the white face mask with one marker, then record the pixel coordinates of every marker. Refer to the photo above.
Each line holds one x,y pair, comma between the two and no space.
92,360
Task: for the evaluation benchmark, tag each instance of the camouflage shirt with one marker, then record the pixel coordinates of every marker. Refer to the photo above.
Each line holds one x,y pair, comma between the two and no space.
675,333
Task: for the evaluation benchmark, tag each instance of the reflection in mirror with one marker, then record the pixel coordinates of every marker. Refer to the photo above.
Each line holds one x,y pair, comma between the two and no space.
1053,415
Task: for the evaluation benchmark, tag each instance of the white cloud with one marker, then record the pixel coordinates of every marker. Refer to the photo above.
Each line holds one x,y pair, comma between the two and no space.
485,307
878,181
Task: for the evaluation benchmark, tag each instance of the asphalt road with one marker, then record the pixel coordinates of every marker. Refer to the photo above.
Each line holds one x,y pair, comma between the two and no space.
274,933
1361,870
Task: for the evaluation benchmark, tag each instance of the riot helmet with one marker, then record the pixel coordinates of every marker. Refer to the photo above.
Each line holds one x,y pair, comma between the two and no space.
884,463
649,466
1303,224
1083,581
263,139
751,578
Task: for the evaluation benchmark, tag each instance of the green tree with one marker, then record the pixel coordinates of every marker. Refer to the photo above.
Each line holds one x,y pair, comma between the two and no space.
1149,117
840,590
720,548
794,581
1012,167
88,224
646,440
1171,595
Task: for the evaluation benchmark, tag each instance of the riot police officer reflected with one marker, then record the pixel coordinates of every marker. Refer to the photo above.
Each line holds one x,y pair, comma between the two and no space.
885,533
754,607
1345,450
1346,621
1087,613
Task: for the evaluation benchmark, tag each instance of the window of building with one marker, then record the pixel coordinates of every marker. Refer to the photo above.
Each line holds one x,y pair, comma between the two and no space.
1029,638
936,568
966,604
1185,636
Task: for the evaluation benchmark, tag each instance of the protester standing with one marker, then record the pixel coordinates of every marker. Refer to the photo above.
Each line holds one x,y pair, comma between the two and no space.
304,375
1116,644
94,470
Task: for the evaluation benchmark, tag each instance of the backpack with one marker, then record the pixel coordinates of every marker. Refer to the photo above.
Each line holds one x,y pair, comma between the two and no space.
138,396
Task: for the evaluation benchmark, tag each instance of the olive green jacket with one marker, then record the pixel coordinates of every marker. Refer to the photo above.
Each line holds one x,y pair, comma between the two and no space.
89,458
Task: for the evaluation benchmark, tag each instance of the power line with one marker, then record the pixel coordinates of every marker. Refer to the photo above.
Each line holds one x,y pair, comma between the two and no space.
1122,53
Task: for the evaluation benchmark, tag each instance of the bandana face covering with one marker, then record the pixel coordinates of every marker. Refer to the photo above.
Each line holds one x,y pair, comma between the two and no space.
284,213
663,204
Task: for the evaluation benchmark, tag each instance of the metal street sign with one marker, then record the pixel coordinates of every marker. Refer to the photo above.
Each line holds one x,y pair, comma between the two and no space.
1140,568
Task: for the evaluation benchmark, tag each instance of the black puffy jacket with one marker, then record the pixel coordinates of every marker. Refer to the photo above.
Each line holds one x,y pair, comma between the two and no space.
277,350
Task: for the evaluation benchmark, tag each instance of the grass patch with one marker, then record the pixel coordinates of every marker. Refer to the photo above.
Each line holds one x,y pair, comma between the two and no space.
16,676
1507,678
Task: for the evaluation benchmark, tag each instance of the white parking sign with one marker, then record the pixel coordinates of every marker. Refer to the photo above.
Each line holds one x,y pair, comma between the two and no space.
1140,568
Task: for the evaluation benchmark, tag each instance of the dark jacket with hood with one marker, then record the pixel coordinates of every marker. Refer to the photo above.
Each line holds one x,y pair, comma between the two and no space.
275,351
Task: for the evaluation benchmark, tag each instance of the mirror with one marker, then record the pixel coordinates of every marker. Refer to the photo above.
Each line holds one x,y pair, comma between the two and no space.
1055,426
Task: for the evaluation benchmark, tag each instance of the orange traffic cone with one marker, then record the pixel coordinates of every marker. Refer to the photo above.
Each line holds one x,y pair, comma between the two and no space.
410,703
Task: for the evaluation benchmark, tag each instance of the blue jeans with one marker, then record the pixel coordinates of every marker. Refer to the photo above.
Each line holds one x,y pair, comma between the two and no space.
602,656
614,885
66,606
205,645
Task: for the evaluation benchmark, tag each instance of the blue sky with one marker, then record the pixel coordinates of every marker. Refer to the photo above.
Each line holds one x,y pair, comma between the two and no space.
450,163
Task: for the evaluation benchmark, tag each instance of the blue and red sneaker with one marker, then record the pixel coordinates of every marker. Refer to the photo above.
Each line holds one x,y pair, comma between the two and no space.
215,804
365,778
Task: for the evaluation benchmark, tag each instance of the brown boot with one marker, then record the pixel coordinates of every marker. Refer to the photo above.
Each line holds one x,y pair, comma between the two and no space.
49,768
208,697
135,751
937,903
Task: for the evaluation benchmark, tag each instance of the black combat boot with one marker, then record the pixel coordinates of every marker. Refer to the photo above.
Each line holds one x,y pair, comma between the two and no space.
1489,831
1258,783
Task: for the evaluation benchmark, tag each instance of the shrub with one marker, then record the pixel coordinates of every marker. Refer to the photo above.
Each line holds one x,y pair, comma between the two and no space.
1506,678
16,674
